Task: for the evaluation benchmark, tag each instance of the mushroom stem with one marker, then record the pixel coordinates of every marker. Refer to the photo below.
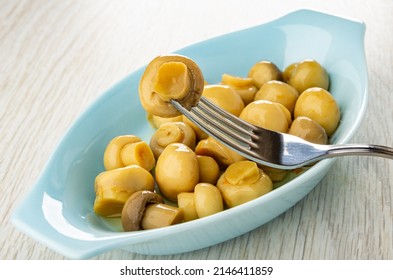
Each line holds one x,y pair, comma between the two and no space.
161,215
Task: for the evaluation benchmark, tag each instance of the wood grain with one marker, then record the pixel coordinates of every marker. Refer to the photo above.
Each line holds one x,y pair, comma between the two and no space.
57,57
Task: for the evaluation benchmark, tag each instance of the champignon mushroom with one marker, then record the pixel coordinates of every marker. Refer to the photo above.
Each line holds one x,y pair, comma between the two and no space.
134,208
114,187
307,74
172,132
243,181
308,130
279,92
170,77
319,105
270,115
177,170
224,97
209,170
244,86
146,210
112,154
223,155
207,200
125,150
264,71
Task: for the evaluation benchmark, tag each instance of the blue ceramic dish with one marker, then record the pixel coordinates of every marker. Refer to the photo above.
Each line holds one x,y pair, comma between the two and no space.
58,210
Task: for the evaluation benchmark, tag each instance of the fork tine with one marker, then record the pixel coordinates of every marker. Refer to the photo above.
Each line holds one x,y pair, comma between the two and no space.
219,124
227,122
245,127
233,135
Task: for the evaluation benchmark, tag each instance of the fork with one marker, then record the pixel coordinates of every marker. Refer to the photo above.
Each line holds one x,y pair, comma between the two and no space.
274,149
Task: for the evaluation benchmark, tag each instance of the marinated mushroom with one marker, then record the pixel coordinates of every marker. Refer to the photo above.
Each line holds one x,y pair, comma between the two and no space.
224,97
138,153
308,130
170,77
146,210
266,114
112,154
307,74
177,170
209,171
319,105
264,71
243,181
244,86
288,71
207,200
223,155
113,187
172,132
134,209
279,92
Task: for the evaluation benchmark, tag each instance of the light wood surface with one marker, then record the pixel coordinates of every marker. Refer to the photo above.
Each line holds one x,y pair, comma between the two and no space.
57,57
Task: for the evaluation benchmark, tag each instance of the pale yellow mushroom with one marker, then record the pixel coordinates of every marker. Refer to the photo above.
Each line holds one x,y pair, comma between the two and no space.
308,130
170,77
279,92
112,154
244,86
288,71
172,132
113,188
264,71
224,97
209,170
127,150
207,200
138,153
177,170
266,114
243,181
223,155
307,74
319,105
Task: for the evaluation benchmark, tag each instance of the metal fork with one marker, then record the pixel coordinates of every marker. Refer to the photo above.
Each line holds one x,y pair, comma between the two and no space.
274,149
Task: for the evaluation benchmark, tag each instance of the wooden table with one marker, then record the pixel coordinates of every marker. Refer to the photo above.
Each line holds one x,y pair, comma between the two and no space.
57,57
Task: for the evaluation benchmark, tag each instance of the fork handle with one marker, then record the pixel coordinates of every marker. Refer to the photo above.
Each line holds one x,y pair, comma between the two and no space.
359,149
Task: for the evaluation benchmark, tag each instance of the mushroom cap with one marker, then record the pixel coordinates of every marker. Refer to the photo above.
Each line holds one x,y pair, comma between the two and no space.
151,100
176,171
173,132
112,154
134,209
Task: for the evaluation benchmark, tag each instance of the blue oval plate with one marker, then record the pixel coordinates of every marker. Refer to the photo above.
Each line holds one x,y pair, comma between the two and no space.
58,210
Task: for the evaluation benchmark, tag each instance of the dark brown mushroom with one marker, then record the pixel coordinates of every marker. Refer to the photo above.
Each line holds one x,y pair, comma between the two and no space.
134,209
